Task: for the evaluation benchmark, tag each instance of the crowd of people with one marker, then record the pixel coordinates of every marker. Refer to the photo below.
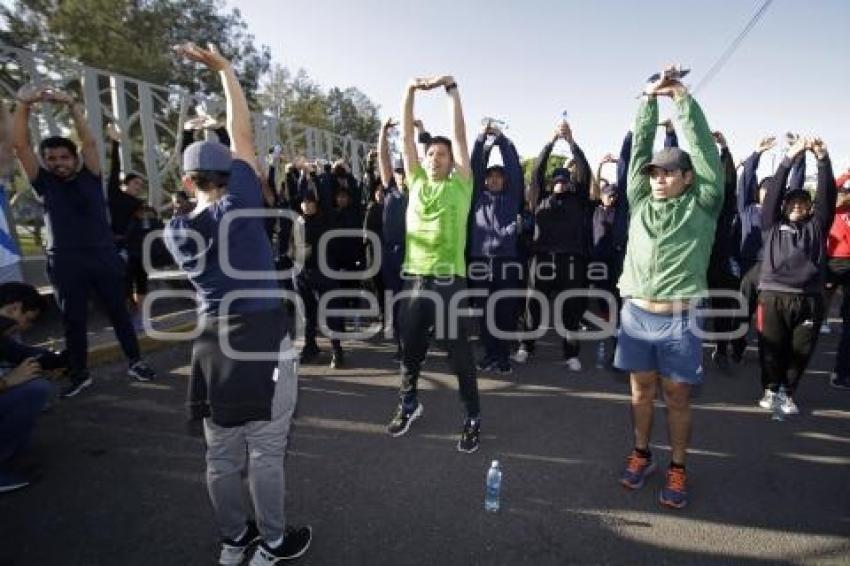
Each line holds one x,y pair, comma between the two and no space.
676,247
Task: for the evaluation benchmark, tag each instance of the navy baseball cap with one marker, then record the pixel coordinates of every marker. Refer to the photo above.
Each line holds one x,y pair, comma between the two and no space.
561,175
669,159
798,194
207,156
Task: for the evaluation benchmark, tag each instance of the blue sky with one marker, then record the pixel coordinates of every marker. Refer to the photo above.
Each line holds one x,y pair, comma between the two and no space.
525,62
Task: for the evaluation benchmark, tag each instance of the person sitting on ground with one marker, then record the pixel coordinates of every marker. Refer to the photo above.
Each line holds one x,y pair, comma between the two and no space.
24,391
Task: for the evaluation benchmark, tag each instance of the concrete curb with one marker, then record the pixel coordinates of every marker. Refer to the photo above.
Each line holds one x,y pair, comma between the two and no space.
111,351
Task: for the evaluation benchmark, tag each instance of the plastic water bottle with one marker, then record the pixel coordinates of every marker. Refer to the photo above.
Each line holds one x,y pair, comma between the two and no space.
601,355
776,409
494,488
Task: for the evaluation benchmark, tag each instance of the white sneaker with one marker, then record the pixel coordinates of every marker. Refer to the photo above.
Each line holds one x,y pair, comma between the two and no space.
521,356
788,406
766,402
574,364
825,329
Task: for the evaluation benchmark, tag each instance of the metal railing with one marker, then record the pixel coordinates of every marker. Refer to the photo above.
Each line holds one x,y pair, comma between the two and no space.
151,118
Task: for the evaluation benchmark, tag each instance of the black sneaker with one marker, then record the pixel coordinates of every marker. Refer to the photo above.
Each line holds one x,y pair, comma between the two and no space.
469,436
504,368
12,481
738,349
79,381
295,544
486,364
720,360
839,382
233,552
402,419
308,354
140,371
337,360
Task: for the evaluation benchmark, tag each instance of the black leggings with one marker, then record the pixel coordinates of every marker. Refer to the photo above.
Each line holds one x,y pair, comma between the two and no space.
788,326
419,312
137,277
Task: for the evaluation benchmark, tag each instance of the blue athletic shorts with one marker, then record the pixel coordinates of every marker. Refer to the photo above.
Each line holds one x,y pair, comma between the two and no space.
659,342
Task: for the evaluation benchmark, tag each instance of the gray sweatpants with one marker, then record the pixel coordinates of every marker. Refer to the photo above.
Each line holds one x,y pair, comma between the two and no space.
256,450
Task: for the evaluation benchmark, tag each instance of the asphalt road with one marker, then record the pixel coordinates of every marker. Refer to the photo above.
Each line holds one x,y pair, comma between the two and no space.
124,485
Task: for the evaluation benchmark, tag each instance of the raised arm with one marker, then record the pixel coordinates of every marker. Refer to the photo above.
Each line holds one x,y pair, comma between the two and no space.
27,96
478,163
513,167
460,148
408,136
582,175
748,182
423,137
798,173
670,137
113,182
623,164
88,143
238,116
704,155
730,175
644,134
7,155
827,189
538,173
771,209
385,167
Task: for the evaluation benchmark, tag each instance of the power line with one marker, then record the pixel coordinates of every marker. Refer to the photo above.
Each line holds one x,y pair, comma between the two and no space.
727,54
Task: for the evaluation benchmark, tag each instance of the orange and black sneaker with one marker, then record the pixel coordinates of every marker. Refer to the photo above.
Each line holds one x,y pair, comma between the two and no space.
674,494
637,468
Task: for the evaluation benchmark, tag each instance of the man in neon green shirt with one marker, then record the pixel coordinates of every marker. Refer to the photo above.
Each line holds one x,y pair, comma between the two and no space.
440,196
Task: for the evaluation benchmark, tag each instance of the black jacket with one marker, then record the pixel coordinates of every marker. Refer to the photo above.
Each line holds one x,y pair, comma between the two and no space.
725,245
795,252
563,220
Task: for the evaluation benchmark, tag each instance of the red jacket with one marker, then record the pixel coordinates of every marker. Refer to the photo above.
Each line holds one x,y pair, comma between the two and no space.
838,242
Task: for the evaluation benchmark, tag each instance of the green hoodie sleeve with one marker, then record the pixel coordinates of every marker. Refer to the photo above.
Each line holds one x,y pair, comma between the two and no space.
708,181
644,136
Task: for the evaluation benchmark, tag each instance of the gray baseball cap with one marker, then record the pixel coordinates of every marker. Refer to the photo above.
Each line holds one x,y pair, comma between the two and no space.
207,156
669,159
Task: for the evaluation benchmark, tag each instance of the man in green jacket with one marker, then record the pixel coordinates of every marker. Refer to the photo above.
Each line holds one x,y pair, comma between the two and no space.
674,201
